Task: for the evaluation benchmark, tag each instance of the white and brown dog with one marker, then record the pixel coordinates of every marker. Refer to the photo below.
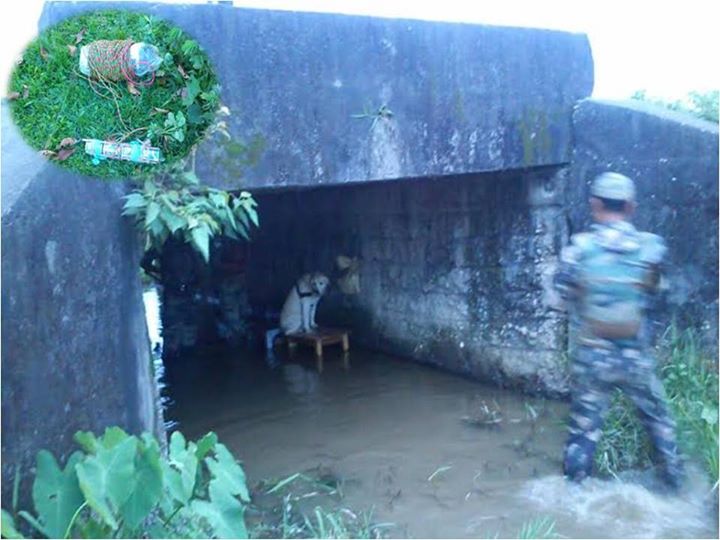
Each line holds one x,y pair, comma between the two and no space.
298,312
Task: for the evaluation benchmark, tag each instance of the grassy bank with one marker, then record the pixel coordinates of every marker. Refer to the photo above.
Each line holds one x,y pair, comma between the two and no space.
690,378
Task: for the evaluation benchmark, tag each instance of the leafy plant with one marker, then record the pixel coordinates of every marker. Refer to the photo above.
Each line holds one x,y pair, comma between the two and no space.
179,207
119,485
173,202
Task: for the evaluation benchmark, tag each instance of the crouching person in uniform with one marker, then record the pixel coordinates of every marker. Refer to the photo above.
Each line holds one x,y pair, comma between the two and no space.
607,276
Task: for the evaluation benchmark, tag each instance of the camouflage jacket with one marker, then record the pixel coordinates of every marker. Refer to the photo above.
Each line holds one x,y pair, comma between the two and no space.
607,277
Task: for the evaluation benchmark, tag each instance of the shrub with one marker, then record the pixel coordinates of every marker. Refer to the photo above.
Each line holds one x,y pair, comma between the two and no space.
120,485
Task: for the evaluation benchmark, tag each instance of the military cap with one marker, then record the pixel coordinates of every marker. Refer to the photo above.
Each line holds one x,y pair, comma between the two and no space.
612,185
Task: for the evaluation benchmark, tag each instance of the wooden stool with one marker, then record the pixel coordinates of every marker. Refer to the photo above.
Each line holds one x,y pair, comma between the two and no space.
320,338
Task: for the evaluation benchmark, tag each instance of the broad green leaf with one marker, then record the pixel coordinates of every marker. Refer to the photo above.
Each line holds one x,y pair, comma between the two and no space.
192,90
135,200
177,444
224,513
87,441
153,211
253,215
195,115
150,188
229,216
181,472
147,484
206,444
201,240
56,493
157,228
241,213
7,526
227,473
218,199
106,479
172,220
113,436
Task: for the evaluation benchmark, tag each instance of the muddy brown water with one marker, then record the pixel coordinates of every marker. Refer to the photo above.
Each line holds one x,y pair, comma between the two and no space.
404,440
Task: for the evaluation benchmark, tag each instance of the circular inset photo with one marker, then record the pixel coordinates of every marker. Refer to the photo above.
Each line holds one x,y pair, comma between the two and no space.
113,93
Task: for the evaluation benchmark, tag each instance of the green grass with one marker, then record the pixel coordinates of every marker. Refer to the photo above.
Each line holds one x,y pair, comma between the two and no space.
53,101
308,505
690,378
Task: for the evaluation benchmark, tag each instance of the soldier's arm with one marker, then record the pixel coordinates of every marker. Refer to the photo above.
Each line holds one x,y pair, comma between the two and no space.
654,256
566,278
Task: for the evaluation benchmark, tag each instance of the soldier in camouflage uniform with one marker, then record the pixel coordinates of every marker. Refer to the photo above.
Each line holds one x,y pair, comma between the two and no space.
607,276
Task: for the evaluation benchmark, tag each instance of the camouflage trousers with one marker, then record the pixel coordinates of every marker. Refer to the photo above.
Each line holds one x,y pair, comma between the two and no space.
597,372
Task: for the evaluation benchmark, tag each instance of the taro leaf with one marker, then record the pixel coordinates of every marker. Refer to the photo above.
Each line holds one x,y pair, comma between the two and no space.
7,526
200,237
106,479
147,484
56,493
87,441
113,436
181,472
206,444
192,90
224,513
227,473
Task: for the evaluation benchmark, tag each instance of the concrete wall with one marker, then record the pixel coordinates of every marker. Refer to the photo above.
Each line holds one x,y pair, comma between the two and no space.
673,159
464,98
75,350
452,269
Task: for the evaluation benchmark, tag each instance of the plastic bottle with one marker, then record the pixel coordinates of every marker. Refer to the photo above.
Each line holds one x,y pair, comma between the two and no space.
142,59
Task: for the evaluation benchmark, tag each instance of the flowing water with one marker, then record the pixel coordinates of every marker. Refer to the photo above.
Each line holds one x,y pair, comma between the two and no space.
435,454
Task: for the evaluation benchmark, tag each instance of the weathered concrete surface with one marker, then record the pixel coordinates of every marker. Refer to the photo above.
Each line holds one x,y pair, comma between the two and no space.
464,98
75,350
453,270
673,159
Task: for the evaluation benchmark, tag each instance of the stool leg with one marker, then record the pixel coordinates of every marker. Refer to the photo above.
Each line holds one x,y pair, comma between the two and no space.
346,360
345,343
319,355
